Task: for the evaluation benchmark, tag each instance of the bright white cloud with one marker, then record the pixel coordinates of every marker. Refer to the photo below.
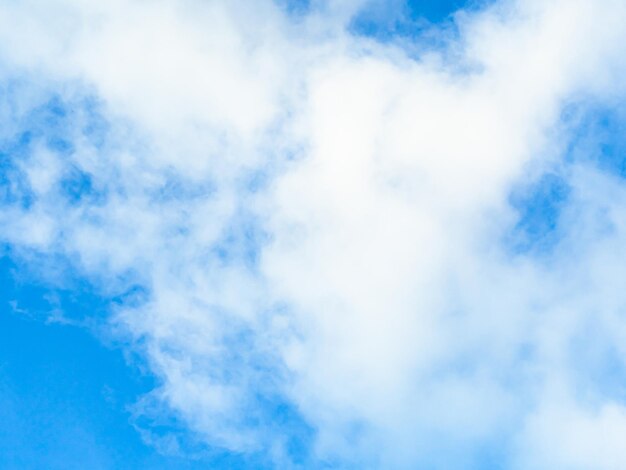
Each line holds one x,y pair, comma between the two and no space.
321,220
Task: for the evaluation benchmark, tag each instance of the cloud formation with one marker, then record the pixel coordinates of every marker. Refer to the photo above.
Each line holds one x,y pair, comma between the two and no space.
334,250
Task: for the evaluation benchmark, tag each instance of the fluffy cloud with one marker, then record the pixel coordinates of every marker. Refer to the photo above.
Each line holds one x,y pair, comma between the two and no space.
325,224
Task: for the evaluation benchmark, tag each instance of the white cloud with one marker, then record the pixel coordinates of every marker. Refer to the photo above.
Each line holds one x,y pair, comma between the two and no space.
383,304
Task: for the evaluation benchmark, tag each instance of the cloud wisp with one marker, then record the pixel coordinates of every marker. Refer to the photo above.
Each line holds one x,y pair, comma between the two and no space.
331,249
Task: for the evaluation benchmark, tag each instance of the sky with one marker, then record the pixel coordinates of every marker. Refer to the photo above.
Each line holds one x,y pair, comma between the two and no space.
323,234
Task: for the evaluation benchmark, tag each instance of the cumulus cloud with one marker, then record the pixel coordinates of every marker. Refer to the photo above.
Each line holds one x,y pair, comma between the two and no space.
331,231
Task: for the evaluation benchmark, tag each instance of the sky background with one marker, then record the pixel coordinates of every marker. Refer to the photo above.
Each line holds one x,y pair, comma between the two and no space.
313,234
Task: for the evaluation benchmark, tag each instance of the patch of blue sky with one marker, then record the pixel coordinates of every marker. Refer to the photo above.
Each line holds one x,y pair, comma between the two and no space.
389,20
299,436
275,416
385,20
83,300
539,206
64,391
14,187
596,139
436,11
50,123
53,124
598,135
77,186
48,292
46,123
70,383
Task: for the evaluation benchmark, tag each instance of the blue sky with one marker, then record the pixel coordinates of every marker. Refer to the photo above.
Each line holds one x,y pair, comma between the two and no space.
312,234
386,20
